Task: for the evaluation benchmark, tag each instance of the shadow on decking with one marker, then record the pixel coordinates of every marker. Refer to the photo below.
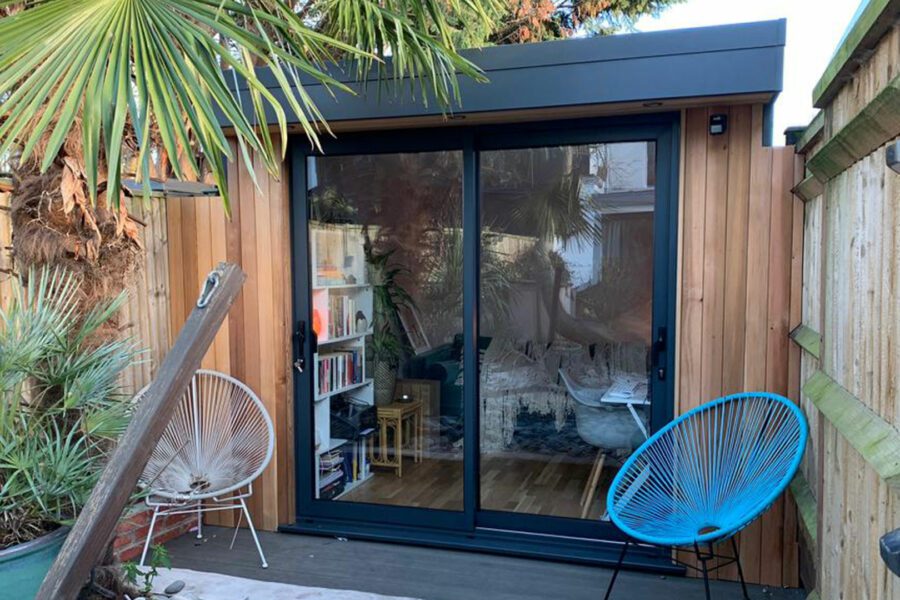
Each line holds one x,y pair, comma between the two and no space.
428,573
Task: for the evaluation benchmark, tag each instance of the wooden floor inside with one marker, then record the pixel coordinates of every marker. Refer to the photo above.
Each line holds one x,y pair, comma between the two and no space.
539,485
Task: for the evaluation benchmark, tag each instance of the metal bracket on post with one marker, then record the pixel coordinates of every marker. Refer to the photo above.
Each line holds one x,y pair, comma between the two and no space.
209,287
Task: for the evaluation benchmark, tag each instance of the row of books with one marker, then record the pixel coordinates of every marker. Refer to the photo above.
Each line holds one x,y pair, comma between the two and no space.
356,462
341,316
338,370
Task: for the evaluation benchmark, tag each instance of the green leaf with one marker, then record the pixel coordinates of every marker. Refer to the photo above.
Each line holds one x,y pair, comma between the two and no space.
164,63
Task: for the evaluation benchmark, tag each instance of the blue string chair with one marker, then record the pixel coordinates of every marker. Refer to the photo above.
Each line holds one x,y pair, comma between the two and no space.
707,475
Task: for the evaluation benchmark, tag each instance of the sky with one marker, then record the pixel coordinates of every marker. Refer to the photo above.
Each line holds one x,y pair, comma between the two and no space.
814,29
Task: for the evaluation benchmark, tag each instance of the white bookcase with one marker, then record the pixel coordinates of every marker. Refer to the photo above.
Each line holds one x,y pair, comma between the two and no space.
342,302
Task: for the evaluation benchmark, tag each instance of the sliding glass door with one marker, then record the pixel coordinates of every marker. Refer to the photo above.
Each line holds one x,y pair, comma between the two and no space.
566,318
385,259
481,323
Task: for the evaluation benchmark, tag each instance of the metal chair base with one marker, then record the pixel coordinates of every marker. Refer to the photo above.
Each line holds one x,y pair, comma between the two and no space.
235,502
702,557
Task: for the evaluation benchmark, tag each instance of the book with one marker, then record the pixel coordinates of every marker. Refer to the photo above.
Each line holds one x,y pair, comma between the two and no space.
336,370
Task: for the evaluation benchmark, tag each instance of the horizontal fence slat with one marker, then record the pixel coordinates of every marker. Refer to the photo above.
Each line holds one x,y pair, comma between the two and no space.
876,124
806,505
809,188
876,440
808,338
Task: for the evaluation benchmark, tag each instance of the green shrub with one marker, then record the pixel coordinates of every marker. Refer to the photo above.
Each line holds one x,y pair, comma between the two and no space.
61,406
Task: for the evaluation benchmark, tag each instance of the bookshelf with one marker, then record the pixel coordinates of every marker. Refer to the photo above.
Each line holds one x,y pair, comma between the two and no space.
342,301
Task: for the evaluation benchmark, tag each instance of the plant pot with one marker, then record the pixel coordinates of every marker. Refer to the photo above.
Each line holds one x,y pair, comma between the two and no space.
24,566
385,377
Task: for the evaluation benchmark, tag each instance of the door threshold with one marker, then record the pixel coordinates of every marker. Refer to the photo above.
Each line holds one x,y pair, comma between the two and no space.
510,543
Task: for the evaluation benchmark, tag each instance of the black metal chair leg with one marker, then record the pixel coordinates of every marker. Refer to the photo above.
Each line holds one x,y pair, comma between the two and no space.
612,581
737,560
703,561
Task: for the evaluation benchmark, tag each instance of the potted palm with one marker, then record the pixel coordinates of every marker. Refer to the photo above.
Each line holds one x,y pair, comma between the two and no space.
61,411
389,296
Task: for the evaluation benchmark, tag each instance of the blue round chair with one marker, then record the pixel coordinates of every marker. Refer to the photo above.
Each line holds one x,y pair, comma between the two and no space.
707,475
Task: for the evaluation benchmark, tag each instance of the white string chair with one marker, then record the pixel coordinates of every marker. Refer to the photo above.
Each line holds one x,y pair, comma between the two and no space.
219,440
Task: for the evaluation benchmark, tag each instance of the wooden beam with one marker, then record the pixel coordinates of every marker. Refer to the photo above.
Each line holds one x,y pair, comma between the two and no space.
876,440
89,537
806,504
875,125
870,24
807,338
812,133
809,188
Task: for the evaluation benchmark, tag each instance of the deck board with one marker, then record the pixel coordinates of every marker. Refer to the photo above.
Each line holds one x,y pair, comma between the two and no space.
430,573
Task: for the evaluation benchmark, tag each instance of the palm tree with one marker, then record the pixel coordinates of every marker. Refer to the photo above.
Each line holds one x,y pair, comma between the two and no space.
94,89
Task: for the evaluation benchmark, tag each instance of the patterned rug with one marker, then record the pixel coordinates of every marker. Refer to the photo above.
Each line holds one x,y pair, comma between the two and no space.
213,586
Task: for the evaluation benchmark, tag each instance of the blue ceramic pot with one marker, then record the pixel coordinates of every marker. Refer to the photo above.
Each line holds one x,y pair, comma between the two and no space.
23,566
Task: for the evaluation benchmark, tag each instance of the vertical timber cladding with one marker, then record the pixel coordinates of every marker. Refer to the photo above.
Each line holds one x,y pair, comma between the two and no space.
740,250
739,267
254,343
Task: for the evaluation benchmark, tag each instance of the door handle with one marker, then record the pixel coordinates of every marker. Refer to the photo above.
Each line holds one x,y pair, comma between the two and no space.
657,348
300,336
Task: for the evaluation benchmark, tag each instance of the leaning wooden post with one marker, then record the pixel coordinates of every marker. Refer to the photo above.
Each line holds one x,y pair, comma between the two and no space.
87,541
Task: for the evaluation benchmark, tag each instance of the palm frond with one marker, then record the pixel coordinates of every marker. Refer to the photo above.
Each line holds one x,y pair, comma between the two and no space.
61,407
171,69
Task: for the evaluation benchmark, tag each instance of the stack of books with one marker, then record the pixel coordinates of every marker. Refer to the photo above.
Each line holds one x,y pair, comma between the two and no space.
331,474
338,370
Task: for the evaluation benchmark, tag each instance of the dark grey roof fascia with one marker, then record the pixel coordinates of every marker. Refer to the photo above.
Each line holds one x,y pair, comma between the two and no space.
641,67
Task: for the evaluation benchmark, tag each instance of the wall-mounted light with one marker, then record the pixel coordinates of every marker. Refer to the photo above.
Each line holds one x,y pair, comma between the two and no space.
890,545
718,124
892,157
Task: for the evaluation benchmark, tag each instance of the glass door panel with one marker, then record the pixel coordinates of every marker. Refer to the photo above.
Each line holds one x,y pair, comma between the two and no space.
566,279
386,295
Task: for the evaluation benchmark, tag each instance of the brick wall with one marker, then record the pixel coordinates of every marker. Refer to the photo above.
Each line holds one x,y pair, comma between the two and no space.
131,532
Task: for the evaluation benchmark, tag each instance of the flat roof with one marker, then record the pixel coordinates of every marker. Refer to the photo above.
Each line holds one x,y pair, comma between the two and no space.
726,60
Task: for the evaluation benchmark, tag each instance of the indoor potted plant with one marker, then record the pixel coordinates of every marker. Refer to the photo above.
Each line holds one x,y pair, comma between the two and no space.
61,411
388,344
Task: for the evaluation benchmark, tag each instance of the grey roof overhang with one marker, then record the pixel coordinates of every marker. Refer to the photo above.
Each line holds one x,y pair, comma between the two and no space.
727,60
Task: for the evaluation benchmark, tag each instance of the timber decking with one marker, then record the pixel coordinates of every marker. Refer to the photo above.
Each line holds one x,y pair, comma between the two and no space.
430,573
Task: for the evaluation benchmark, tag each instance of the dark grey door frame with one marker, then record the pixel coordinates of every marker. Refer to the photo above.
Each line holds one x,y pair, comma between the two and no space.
430,524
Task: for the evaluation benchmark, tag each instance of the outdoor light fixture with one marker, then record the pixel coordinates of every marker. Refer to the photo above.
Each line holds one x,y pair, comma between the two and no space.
718,124
892,156
890,542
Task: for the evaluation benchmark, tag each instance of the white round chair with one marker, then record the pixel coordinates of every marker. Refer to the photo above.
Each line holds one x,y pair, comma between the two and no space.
219,440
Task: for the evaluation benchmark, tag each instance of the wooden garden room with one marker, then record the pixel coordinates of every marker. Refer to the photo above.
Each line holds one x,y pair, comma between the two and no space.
583,319
639,243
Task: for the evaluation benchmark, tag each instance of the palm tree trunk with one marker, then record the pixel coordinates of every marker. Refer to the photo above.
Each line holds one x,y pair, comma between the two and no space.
54,224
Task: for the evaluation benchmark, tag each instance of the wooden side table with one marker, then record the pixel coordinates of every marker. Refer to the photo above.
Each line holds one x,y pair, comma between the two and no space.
407,421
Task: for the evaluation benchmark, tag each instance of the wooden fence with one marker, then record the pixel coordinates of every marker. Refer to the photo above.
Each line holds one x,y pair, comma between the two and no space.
145,317
851,313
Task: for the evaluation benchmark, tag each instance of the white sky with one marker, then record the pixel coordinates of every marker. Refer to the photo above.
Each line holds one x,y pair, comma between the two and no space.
814,28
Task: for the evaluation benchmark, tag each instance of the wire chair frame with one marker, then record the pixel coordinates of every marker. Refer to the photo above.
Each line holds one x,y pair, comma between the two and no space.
219,440
708,474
